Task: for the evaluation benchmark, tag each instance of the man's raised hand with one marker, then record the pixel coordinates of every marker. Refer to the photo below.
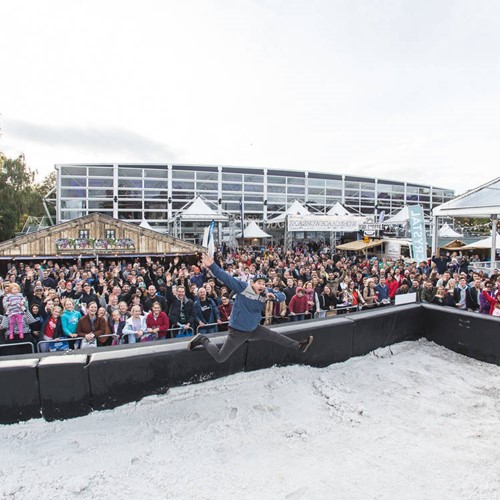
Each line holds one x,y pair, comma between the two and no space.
206,260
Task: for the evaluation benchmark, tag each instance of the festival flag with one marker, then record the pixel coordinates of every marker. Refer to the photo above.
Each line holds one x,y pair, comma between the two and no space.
208,239
242,217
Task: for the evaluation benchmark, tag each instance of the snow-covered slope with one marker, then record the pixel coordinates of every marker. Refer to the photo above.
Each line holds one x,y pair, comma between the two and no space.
411,421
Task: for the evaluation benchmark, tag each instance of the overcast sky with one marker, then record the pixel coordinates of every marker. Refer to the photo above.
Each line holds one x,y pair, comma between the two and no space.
397,89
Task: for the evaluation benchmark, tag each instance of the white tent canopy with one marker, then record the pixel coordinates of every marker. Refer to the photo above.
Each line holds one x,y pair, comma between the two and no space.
445,231
338,209
400,217
198,210
482,244
296,208
483,201
145,224
254,231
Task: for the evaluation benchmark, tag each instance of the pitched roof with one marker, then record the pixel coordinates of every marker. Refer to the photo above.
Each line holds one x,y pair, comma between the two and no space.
296,208
338,209
482,201
254,231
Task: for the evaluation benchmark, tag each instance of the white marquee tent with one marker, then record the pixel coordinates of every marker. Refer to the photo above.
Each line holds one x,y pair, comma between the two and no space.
400,218
253,231
296,208
446,231
483,201
338,209
483,244
196,210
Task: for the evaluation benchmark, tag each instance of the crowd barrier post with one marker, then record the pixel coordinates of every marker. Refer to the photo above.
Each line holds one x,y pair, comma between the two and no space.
266,320
181,329
4,346
208,325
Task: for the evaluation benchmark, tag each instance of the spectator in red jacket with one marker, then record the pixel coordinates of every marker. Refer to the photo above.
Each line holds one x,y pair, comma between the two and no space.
225,310
157,321
494,303
298,306
393,286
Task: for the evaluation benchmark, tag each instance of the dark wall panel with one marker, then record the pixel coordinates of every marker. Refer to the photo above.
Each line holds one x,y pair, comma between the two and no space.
119,378
472,334
385,326
332,344
64,386
19,394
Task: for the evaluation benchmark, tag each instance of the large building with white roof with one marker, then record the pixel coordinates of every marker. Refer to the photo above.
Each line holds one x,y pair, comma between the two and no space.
157,192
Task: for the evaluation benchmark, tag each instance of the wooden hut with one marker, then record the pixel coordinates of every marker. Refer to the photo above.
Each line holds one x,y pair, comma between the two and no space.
95,235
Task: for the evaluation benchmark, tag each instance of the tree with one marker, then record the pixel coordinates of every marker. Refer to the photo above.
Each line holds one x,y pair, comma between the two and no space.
20,196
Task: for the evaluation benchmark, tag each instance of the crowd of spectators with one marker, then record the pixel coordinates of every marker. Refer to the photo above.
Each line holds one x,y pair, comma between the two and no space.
61,305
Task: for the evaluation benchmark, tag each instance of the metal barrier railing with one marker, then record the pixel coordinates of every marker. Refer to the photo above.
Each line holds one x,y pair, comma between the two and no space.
75,340
41,343
108,335
17,344
325,313
208,325
346,309
181,330
145,334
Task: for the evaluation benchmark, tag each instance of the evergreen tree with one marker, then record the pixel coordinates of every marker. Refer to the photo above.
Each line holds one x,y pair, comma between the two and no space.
19,195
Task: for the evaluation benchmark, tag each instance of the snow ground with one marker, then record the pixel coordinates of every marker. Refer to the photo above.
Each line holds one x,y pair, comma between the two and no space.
410,421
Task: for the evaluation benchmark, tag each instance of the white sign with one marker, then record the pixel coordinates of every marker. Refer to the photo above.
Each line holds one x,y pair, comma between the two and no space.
370,227
405,298
393,249
330,223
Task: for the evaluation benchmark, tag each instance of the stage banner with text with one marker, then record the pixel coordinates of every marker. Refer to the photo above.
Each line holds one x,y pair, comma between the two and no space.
330,223
417,230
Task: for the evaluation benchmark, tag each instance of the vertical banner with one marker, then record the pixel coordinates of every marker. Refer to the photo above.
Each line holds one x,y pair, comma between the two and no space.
208,239
417,230
242,217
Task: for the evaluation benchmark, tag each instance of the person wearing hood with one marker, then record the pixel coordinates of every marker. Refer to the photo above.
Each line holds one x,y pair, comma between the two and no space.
299,305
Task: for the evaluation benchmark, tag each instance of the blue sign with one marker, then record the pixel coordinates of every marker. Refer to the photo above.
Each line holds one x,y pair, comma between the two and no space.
417,230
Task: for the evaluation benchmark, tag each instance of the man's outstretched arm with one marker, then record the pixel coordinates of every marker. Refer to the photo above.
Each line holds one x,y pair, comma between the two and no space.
228,280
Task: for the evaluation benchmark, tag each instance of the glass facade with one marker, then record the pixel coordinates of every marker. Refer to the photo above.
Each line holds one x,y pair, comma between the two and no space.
157,192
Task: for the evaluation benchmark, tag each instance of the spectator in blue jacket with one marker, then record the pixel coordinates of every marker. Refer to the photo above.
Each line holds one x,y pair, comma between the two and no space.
382,291
244,323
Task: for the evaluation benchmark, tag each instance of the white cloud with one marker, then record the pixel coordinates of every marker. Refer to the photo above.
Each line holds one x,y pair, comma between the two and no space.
394,89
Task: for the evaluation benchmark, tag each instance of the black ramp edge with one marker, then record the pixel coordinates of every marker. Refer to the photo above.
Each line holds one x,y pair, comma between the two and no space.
64,386
121,377
385,326
472,334
184,366
19,394
332,344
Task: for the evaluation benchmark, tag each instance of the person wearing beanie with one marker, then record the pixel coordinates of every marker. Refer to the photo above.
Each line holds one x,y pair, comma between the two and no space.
244,323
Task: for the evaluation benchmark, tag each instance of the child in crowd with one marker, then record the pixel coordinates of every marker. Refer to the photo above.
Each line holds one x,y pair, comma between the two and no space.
135,326
14,309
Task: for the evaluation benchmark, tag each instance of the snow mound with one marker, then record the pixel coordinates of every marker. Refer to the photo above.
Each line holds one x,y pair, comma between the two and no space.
413,420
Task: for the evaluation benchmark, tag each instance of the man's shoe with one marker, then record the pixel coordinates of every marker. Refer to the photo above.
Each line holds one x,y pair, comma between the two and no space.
304,344
195,341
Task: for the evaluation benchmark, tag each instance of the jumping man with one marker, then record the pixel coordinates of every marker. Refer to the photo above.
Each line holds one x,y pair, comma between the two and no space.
244,323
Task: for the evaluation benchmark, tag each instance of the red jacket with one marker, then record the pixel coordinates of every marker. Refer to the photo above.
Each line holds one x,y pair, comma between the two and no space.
298,305
225,311
393,288
162,322
491,300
